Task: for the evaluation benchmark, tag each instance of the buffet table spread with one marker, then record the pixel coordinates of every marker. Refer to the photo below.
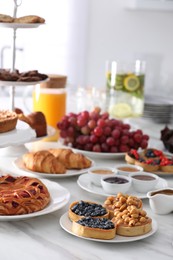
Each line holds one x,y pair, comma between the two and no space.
42,237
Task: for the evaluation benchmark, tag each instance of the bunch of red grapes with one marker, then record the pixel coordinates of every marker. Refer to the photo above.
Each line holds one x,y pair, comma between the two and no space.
95,131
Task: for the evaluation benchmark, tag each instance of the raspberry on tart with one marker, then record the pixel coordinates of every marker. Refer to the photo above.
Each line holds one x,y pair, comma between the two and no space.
152,153
149,165
166,164
132,156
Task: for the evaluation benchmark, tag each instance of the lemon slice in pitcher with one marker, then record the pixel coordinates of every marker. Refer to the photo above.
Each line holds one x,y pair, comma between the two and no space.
131,83
120,110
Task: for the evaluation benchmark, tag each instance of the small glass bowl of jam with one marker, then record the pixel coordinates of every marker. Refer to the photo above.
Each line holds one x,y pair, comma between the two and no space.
114,184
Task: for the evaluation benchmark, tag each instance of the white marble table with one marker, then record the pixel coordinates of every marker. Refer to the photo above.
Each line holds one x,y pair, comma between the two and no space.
43,238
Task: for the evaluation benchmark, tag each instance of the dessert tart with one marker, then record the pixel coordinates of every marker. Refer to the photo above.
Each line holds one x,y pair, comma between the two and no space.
100,228
132,156
120,202
149,165
132,222
81,209
22,195
8,120
166,164
151,153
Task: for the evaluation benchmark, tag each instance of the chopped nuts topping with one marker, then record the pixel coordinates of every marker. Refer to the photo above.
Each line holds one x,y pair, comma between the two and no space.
131,216
122,201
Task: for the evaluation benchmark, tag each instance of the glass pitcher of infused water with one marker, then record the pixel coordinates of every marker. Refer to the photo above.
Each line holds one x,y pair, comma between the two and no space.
125,88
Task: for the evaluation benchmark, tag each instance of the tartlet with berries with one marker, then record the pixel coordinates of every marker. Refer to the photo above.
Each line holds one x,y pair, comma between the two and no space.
99,228
151,153
149,165
81,209
132,156
166,165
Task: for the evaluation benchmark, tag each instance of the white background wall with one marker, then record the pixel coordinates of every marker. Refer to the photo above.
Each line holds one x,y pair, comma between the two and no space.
117,33
80,35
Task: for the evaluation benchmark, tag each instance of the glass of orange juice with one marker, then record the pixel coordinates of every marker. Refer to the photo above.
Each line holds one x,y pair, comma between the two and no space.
50,101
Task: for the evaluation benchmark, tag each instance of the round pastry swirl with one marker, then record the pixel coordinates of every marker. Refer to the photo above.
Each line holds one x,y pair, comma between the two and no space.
22,195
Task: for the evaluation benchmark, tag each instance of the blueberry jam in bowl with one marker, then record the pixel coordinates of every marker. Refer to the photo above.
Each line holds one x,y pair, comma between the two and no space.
114,184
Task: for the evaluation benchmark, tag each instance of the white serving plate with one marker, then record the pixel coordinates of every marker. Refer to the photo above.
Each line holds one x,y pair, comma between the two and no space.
21,83
97,155
85,183
23,133
66,224
18,163
20,25
59,198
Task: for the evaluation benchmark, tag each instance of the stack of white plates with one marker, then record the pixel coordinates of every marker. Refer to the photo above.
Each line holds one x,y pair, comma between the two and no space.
158,109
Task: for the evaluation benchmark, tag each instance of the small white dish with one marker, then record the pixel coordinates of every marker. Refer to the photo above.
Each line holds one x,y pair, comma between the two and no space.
97,172
161,200
144,181
126,169
114,184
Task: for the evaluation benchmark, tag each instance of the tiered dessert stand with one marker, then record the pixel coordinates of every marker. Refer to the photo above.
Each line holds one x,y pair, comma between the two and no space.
11,142
14,27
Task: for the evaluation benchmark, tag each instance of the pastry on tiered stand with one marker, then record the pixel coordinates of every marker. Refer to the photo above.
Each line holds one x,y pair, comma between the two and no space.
8,120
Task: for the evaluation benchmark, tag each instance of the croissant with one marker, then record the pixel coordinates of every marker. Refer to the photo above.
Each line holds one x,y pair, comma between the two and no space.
70,159
43,161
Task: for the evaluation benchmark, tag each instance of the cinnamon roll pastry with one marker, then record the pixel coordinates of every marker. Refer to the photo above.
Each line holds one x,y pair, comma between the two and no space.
22,195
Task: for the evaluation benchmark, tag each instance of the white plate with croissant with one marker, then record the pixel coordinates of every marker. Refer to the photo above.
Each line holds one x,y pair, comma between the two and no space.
53,163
